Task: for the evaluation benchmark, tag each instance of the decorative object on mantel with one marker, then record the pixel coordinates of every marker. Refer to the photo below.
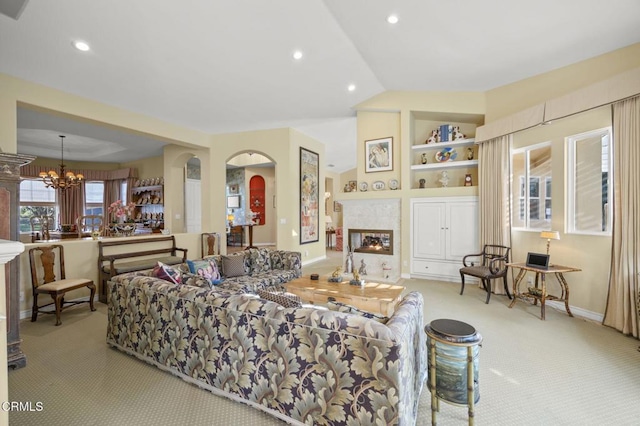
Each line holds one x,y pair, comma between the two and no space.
378,185
423,158
363,186
469,153
64,180
444,179
467,180
422,182
393,184
356,279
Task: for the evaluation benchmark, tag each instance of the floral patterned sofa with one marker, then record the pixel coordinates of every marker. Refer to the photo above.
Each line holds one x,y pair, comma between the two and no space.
304,365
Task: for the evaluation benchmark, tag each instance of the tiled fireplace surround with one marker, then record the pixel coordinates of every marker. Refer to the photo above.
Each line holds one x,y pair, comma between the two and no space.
374,215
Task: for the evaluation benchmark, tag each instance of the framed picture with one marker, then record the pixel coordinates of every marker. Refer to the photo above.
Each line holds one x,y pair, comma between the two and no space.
353,185
378,154
309,197
233,189
337,207
233,202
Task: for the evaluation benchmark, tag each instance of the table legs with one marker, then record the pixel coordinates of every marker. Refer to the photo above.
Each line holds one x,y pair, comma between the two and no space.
543,296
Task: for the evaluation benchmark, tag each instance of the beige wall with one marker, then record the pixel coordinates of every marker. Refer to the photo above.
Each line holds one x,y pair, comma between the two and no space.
505,100
151,167
590,253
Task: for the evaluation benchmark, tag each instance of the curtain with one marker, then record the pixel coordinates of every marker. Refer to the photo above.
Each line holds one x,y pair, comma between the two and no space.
494,195
111,195
71,204
622,301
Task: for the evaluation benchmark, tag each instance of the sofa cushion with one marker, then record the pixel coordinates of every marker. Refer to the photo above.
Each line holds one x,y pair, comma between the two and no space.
233,266
349,309
167,273
288,300
207,269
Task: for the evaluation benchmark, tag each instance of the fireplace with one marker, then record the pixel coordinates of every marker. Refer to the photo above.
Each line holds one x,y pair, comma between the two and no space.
374,241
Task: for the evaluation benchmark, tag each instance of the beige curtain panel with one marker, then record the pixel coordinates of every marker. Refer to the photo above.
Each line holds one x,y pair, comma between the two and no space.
494,193
622,301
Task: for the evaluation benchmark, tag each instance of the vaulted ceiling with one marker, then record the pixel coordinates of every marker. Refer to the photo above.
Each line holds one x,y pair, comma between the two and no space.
226,66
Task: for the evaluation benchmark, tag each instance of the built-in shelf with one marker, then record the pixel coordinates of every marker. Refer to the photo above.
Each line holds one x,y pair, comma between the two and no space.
440,145
445,165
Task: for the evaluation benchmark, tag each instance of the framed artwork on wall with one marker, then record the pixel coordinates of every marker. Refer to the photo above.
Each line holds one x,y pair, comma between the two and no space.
233,189
337,207
378,154
309,196
233,202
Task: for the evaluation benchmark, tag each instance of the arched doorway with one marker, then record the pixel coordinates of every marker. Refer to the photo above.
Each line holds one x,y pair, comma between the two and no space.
251,200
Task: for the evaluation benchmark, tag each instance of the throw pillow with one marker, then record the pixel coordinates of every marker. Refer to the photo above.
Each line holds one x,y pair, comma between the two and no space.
288,300
206,269
167,273
233,266
343,307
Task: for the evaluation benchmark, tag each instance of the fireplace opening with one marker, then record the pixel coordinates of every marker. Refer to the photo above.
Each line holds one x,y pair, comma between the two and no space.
374,241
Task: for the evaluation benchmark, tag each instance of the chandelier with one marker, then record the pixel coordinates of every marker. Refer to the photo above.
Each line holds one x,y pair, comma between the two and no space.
63,180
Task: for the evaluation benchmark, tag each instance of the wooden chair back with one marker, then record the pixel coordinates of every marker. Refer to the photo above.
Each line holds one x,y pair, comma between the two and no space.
210,243
47,262
88,224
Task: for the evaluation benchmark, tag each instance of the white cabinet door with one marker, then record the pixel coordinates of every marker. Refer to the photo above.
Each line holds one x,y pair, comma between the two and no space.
461,229
429,230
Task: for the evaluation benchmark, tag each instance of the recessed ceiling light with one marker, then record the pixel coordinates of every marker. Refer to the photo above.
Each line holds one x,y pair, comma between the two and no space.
297,55
392,19
351,87
81,45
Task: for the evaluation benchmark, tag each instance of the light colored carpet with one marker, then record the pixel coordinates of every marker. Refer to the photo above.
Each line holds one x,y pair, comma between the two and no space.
562,371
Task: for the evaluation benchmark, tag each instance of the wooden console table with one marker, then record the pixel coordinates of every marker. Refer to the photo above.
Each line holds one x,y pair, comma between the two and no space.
539,292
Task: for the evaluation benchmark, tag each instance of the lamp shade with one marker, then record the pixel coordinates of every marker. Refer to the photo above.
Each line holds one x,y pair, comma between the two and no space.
550,235
327,219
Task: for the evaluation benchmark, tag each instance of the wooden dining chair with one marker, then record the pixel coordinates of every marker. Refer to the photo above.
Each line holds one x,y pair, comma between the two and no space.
43,281
210,243
86,225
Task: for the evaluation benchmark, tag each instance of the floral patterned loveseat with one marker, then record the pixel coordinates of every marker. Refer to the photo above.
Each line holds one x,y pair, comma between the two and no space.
304,365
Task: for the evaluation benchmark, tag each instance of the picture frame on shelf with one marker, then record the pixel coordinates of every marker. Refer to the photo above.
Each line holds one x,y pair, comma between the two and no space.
309,196
353,185
378,155
337,207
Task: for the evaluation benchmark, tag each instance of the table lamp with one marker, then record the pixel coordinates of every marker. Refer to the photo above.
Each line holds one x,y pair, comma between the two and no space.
328,221
550,235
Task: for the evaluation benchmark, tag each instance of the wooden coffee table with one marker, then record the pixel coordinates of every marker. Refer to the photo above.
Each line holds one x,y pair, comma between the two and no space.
373,297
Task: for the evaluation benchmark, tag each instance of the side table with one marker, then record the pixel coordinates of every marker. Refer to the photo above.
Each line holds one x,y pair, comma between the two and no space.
453,364
540,293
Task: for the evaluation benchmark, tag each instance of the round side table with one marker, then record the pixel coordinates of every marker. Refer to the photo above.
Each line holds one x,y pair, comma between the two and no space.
454,347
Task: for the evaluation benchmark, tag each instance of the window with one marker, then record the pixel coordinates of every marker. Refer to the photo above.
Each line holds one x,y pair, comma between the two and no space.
532,165
589,165
35,200
94,196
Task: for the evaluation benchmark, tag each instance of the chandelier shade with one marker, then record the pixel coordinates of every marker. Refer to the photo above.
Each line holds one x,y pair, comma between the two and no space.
64,179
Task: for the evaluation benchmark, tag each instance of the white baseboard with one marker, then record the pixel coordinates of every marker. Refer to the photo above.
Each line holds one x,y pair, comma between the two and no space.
577,312
27,313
